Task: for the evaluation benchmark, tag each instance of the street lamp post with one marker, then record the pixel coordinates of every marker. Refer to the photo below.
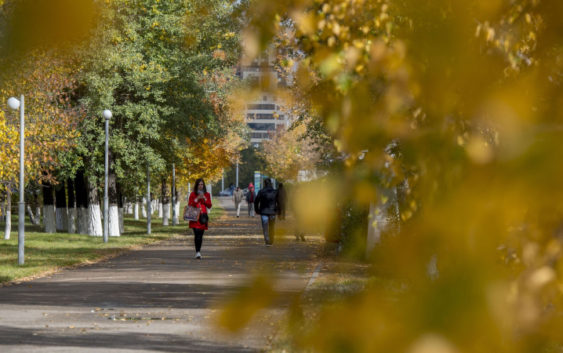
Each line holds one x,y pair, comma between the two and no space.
174,215
107,115
149,201
15,104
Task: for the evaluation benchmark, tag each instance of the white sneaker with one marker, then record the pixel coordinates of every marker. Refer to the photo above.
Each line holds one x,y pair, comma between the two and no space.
198,255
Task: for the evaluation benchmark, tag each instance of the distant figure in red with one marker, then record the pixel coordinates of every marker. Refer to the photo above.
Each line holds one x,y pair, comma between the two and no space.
250,195
201,199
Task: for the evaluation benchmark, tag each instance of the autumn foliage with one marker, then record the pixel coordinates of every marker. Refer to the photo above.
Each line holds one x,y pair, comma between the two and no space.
446,116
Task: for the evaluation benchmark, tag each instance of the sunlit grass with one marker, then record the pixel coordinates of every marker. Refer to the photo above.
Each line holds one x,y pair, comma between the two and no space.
45,253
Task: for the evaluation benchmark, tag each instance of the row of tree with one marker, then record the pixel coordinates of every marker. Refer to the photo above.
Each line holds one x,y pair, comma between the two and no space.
164,69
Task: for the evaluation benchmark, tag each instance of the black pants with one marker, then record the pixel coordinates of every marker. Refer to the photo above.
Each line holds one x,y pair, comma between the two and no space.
198,238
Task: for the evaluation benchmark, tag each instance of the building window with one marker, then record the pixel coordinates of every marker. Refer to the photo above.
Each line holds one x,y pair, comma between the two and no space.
262,126
260,135
261,106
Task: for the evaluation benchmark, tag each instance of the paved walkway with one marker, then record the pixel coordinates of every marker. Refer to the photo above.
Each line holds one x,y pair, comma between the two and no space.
157,299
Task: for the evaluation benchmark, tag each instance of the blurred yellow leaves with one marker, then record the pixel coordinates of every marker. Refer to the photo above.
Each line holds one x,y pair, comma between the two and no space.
241,308
54,23
432,344
469,92
479,150
315,203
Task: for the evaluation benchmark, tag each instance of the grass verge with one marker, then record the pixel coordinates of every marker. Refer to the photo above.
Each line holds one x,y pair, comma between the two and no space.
47,253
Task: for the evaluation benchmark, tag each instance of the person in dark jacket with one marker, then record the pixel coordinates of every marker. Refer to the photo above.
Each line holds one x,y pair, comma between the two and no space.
266,205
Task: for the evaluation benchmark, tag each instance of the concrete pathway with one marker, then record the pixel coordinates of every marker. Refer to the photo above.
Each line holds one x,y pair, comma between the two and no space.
157,299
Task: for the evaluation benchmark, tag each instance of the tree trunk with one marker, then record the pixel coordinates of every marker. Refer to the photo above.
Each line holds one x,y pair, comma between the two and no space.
71,206
143,207
50,224
175,218
113,213
37,208
129,207
120,208
33,204
8,225
61,211
31,216
136,208
94,214
81,202
165,203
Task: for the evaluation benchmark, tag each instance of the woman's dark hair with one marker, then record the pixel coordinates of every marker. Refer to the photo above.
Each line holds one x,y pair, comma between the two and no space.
267,183
197,184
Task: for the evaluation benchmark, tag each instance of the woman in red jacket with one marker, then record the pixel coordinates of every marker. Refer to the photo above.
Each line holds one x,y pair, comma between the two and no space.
201,199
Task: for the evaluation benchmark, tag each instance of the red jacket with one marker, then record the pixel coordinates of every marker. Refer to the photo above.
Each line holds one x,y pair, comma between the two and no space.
203,205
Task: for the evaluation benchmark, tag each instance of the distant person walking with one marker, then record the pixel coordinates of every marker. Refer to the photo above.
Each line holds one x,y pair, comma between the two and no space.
267,205
201,199
237,199
250,196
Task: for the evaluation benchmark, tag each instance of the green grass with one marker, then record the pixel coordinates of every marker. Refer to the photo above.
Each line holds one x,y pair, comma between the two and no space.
45,253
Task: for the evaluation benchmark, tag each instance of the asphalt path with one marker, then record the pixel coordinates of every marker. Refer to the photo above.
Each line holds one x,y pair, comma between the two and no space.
159,298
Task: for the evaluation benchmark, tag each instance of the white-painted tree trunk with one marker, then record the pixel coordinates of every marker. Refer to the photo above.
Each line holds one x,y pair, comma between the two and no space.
165,214
94,220
154,206
31,215
8,218
82,221
61,219
121,220
113,221
160,210
72,220
136,211
143,208
49,219
129,208
38,215
175,219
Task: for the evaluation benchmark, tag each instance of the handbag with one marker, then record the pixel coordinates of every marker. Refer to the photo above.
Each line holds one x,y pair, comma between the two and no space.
203,218
191,213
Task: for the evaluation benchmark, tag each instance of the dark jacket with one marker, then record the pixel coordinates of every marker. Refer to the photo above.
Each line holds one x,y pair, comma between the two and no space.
266,202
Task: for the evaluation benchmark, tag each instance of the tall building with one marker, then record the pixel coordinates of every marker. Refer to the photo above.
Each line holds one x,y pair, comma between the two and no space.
265,114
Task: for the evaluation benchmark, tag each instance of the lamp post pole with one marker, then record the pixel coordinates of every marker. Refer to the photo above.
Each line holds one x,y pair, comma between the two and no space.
21,204
16,104
149,208
107,115
174,215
